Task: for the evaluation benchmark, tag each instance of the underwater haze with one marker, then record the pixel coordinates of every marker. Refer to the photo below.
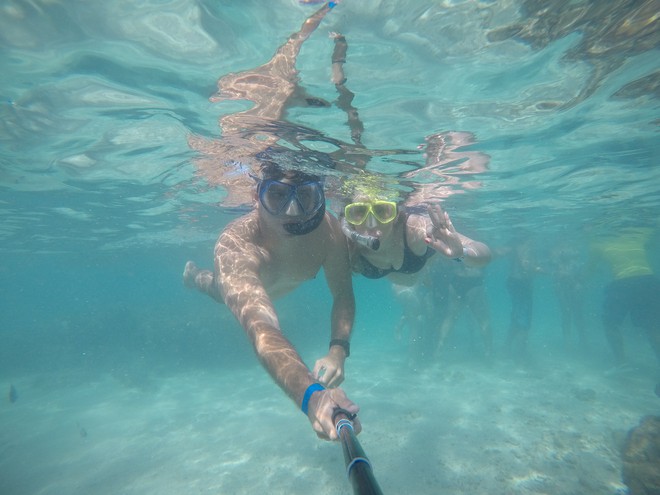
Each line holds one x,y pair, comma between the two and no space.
117,379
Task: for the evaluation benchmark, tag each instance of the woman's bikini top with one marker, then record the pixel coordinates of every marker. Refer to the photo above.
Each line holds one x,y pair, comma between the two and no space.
412,263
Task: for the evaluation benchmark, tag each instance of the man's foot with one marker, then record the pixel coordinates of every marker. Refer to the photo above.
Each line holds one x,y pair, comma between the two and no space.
189,274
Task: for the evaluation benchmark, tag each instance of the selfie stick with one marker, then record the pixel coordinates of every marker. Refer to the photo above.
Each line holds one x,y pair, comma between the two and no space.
358,467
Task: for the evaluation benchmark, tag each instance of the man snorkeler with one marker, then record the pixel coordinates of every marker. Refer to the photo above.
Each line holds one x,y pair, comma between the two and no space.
269,252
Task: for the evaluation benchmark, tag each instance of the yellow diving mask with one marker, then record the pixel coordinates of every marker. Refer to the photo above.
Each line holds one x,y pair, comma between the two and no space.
383,211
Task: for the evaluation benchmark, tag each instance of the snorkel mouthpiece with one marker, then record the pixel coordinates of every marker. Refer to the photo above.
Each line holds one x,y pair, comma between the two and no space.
369,241
306,226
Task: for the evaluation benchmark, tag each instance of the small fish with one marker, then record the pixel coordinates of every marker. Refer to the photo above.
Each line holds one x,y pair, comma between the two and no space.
13,394
657,389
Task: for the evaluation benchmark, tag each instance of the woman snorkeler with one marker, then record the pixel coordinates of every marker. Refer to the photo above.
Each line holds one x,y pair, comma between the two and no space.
394,240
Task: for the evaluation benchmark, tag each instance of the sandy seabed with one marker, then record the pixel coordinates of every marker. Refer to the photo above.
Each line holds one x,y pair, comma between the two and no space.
459,427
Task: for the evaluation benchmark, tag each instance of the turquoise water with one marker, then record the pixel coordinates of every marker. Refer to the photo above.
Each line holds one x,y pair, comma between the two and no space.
102,204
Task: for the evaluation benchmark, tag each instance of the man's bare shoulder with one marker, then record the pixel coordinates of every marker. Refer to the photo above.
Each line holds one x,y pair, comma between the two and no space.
240,235
332,222
335,241
330,230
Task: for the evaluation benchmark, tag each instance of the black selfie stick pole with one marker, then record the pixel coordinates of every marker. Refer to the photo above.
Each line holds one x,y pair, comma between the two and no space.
358,467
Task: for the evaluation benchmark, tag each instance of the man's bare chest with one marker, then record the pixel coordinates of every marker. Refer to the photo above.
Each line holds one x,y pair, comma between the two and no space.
283,271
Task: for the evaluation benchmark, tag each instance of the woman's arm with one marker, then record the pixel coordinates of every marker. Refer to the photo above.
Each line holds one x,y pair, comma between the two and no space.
437,231
475,253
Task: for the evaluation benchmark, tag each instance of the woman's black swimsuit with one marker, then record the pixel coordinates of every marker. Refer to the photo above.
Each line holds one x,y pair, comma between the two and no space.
412,263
